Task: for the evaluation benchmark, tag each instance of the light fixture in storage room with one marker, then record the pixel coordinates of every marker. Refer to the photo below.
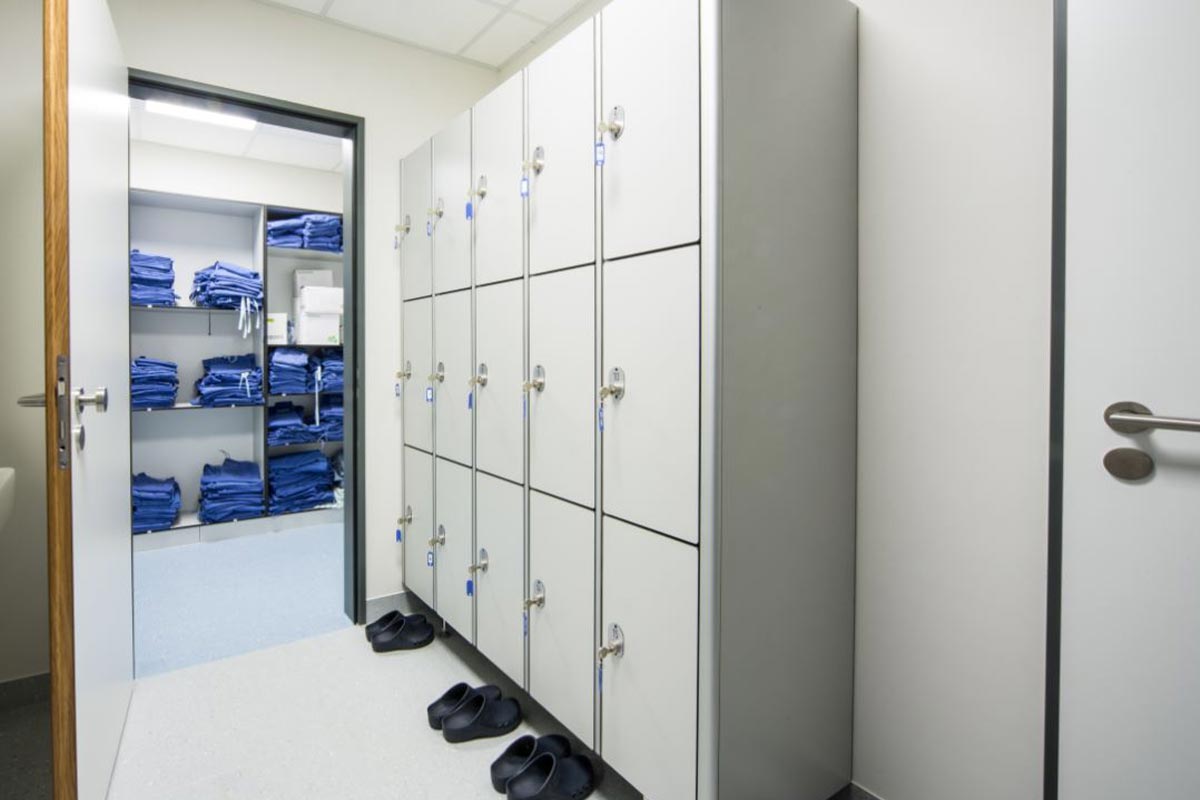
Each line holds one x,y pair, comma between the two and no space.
201,115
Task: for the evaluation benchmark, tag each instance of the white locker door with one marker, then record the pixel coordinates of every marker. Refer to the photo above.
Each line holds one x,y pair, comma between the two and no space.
418,363
650,84
499,589
562,649
497,129
499,354
651,435
419,554
416,245
562,426
455,547
453,369
648,692
562,132
451,193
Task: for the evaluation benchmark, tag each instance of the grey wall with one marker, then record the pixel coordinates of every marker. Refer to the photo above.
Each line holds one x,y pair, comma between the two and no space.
24,618
954,329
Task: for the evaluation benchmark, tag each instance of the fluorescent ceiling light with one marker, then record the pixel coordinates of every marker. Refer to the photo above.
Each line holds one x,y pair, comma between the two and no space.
201,115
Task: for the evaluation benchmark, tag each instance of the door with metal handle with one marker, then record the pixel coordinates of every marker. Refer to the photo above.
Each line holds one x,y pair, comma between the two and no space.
499,573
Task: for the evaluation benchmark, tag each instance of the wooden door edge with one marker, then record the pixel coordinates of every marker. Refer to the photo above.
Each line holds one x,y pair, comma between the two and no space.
57,331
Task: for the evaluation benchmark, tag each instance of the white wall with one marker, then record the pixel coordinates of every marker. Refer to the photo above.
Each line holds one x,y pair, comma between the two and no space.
404,94
954,284
163,168
24,614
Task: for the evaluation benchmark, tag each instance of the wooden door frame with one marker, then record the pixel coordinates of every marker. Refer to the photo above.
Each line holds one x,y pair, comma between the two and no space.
56,242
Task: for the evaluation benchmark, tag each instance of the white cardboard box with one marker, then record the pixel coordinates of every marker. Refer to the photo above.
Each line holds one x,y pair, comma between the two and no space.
316,328
277,328
311,277
321,300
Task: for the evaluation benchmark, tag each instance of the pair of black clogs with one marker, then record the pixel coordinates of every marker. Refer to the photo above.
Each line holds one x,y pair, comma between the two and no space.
542,768
396,631
464,713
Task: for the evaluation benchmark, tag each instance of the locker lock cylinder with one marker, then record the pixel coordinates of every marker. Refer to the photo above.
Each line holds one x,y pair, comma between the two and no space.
614,126
405,373
407,518
538,381
440,539
481,565
439,375
538,598
616,384
538,162
615,646
481,376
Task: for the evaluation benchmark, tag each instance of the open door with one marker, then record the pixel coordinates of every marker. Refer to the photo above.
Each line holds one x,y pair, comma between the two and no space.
87,392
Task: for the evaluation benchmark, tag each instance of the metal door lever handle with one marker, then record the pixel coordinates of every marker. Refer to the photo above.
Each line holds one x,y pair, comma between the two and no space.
1128,417
98,398
32,401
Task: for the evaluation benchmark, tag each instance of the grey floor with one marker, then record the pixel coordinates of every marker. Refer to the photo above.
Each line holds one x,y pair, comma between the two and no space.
202,602
25,750
320,718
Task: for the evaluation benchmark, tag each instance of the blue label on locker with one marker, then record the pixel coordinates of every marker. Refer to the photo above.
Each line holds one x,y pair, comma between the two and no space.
600,679
470,587
525,622
429,558
525,186
600,154
399,388
399,535
600,417
429,228
429,395
470,209
470,400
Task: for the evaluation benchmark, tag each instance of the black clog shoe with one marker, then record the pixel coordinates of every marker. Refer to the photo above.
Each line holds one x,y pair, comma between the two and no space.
548,777
454,697
404,633
480,718
518,754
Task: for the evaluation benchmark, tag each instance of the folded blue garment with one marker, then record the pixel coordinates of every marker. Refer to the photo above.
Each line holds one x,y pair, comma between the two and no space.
225,285
299,481
230,381
291,371
233,490
151,280
332,370
153,383
309,231
156,503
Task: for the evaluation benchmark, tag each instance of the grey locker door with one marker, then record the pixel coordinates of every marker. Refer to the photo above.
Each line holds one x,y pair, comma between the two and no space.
453,365
416,245
499,589
562,649
648,694
451,192
499,353
562,133
418,362
650,75
497,136
562,426
455,549
419,554
651,435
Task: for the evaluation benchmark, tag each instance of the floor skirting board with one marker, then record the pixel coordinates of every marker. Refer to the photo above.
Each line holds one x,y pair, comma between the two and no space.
378,606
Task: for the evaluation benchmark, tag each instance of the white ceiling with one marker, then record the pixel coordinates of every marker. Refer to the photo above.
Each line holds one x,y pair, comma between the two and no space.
264,142
486,32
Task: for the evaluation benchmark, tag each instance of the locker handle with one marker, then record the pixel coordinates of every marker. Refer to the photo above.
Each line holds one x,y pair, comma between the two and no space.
481,187
615,124
538,381
538,598
440,539
616,384
407,518
481,376
439,210
439,375
481,565
406,226
406,373
538,162
615,646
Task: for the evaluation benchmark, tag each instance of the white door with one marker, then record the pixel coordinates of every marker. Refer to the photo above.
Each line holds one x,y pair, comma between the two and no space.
455,600
451,223
499,355
453,369
651,434
1130,670
648,691
98,200
418,365
650,87
416,243
562,641
498,125
562,132
420,556
562,413
500,588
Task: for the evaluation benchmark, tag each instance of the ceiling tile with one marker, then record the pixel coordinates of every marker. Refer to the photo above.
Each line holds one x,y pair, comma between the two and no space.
547,10
311,6
503,40
445,25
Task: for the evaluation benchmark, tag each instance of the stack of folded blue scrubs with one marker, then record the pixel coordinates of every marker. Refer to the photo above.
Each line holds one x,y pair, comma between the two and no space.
155,503
225,285
332,370
290,371
323,232
286,425
331,427
286,232
299,481
151,279
230,381
153,383
231,491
